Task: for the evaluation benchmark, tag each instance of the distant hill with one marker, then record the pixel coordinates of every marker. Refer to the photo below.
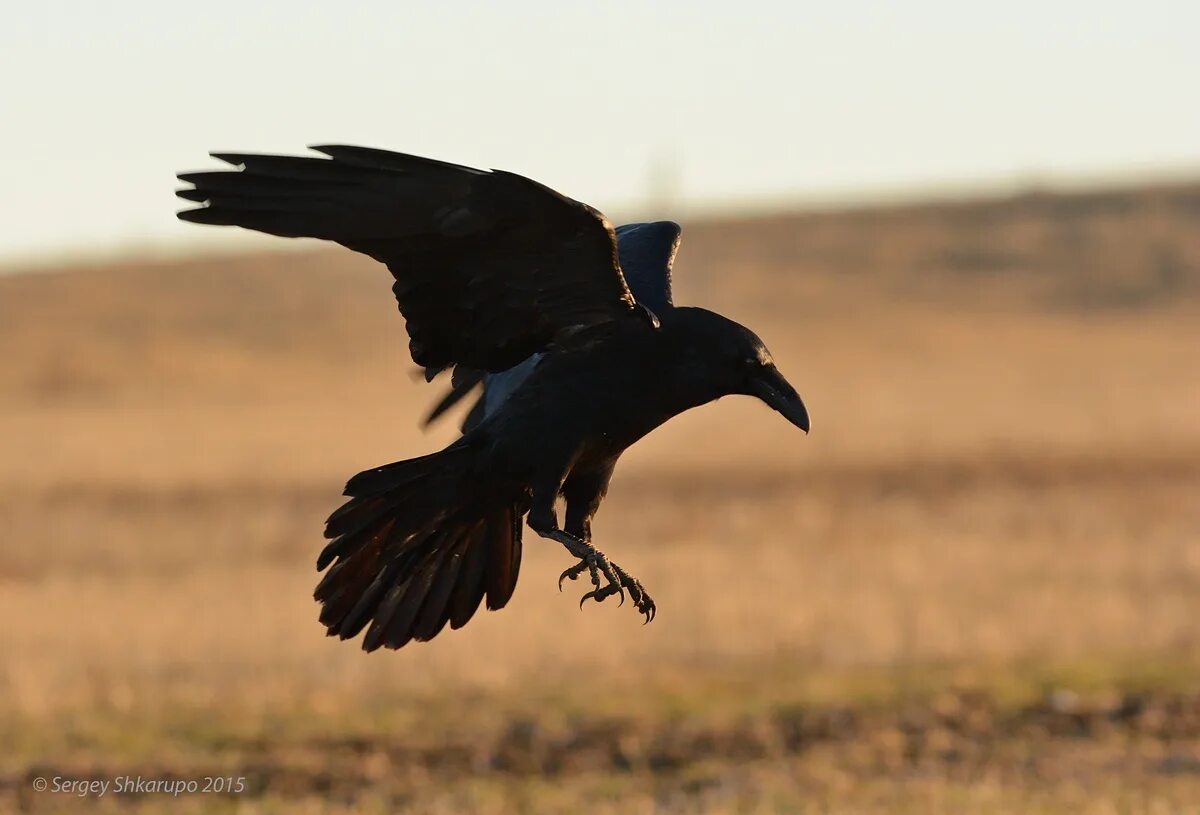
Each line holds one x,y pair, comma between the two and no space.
1116,248
216,321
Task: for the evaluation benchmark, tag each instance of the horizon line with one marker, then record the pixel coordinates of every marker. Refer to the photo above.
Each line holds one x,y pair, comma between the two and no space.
709,210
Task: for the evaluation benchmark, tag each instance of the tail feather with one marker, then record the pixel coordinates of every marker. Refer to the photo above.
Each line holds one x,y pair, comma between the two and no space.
352,535
504,557
433,615
396,629
468,589
416,548
360,614
353,515
390,476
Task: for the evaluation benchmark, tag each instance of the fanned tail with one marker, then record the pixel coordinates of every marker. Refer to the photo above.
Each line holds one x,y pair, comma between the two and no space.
415,548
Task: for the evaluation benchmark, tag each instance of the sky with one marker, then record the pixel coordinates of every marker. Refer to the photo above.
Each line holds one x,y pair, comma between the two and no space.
689,106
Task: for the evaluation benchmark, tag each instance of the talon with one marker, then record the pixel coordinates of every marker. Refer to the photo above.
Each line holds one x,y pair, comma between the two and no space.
602,594
648,609
614,583
616,580
570,574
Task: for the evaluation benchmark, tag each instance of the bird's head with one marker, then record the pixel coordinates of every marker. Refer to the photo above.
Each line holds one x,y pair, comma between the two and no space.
729,358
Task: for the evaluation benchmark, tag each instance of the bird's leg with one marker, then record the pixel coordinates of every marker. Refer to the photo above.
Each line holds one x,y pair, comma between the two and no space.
583,493
591,559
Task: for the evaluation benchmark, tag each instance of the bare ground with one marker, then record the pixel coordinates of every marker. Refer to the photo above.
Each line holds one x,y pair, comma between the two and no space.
974,588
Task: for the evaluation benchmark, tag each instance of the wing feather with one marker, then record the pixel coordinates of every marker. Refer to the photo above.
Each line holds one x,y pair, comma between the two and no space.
490,267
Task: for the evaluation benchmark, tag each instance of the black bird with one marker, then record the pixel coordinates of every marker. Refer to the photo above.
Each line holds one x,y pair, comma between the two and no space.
567,322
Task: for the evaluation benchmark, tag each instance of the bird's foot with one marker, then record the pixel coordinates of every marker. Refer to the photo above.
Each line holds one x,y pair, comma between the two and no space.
616,580
642,601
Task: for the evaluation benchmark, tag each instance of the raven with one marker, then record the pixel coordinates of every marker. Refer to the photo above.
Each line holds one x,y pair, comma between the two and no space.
566,321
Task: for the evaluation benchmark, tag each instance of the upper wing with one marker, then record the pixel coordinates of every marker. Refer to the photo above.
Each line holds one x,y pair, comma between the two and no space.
646,252
490,267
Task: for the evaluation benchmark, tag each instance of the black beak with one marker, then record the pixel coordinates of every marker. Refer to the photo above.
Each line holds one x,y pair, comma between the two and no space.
770,386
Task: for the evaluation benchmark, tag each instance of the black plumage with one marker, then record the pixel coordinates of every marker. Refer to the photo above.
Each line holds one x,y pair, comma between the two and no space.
646,252
567,324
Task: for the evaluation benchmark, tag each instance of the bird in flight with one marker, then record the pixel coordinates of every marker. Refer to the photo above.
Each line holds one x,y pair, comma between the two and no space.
566,322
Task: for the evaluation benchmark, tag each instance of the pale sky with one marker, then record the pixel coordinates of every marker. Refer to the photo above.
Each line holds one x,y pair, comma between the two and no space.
730,102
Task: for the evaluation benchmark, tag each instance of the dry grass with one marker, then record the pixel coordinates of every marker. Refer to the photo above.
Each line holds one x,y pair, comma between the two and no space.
974,588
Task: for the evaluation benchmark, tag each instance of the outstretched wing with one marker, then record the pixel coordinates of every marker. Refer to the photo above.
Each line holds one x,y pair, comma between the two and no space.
646,252
490,267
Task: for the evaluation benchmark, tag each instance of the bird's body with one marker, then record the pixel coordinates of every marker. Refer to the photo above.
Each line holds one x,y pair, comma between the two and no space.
566,323
577,411
595,401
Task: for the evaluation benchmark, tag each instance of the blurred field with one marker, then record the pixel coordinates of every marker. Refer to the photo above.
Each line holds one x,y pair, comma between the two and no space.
974,588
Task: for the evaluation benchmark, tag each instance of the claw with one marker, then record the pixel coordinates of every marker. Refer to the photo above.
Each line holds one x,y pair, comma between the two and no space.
594,594
616,580
637,593
571,573
602,594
